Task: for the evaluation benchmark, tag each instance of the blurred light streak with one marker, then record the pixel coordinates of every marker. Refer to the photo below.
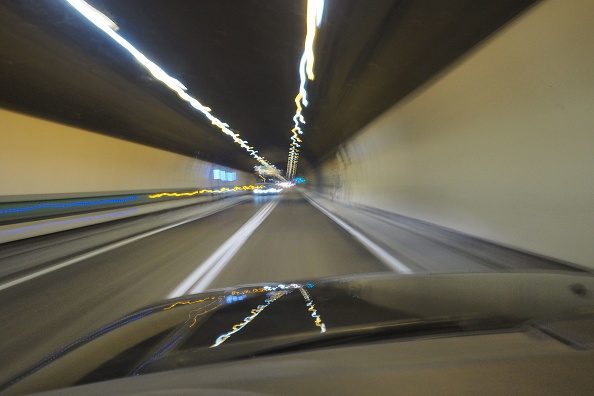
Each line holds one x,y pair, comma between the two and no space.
202,311
254,312
67,222
241,294
312,308
103,23
232,299
315,10
268,190
229,299
206,191
190,302
274,293
67,205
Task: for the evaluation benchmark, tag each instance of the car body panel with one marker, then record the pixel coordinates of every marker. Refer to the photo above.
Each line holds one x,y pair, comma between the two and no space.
259,322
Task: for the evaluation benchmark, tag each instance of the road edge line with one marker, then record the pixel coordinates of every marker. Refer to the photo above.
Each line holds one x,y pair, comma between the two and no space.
373,248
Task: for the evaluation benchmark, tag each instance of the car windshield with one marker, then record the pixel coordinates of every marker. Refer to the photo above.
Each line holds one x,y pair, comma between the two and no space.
160,149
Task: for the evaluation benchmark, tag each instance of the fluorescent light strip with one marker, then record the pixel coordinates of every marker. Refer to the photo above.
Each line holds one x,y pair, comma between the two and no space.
109,27
315,10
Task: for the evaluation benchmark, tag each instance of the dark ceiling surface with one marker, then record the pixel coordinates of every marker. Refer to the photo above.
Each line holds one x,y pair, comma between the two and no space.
238,57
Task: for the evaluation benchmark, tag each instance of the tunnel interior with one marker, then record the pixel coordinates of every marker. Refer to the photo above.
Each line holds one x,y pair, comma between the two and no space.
471,116
156,153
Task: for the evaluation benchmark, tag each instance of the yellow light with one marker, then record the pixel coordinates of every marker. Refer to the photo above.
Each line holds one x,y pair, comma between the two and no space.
254,312
312,308
275,293
93,14
190,302
201,311
206,191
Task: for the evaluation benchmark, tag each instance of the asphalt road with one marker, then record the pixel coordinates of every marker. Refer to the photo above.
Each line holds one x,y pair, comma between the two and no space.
56,288
293,242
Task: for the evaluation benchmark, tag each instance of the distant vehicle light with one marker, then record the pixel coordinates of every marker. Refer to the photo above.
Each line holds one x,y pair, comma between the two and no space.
268,190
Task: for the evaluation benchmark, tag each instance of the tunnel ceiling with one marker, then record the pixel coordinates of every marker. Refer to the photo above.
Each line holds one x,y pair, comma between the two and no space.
240,58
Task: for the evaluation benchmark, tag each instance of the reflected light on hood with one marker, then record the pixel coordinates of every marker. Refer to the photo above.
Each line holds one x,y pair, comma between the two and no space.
311,307
254,312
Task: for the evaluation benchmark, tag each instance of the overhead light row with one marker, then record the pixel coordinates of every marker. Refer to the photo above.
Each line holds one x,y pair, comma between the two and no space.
315,10
109,27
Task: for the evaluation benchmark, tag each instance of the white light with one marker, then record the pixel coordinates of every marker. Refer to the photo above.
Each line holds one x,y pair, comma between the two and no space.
315,10
267,190
108,26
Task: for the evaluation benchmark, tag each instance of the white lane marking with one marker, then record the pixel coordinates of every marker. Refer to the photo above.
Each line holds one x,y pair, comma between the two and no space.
376,250
198,280
107,248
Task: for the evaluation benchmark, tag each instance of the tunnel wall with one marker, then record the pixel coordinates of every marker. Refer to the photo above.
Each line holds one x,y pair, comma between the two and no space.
499,146
43,157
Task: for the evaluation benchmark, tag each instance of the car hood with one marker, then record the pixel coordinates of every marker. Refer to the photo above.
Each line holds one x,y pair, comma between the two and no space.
262,319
